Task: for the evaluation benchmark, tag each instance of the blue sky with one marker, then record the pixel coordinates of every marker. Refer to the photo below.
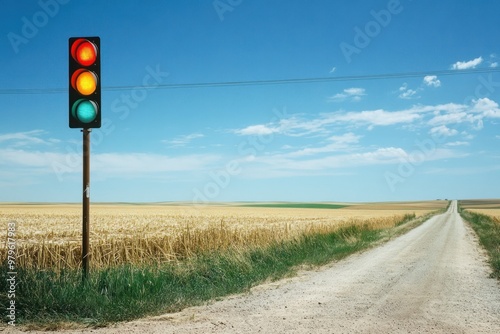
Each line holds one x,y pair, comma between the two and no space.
411,111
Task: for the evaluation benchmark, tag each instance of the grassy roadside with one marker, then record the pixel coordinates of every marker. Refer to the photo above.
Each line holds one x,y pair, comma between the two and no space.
49,300
488,231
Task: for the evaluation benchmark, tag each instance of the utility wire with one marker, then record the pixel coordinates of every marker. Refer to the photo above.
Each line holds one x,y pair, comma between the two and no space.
33,91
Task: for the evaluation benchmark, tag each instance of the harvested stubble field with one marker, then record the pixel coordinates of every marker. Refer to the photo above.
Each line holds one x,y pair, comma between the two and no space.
49,236
489,207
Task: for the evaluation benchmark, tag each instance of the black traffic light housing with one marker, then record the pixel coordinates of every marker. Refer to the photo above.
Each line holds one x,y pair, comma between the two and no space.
84,82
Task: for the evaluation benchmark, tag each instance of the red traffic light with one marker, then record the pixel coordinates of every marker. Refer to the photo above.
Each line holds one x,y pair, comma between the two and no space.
84,52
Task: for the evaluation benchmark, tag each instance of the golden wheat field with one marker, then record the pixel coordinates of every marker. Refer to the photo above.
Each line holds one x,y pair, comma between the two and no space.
49,236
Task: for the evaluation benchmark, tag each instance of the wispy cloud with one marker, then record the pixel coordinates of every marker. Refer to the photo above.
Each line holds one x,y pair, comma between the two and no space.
407,93
28,138
379,117
257,130
349,94
285,165
334,144
22,158
443,130
134,165
138,165
457,143
465,65
473,113
183,140
449,119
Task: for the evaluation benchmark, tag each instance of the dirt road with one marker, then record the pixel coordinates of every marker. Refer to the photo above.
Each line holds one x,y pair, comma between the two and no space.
433,279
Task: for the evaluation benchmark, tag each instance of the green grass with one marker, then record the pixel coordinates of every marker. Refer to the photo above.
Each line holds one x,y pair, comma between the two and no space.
297,205
488,232
49,300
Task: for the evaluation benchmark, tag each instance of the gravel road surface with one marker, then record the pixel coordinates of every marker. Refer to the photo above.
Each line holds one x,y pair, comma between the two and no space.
434,279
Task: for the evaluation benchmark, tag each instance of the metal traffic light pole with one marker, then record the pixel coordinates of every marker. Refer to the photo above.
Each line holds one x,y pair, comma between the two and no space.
86,203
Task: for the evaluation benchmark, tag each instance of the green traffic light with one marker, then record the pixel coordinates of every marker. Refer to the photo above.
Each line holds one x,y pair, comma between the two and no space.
85,111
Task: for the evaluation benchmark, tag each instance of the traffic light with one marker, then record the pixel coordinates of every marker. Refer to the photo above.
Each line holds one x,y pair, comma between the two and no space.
84,82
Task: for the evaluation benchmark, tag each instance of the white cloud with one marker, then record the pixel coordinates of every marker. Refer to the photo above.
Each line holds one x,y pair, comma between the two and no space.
432,116
355,91
457,143
443,130
326,163
382,155
293,126
352,94
333,69
182,140
494,65
452,118
336,144
257,130
474,114
432,80
464,65
280,165
347,138
486,107
379,117
407,93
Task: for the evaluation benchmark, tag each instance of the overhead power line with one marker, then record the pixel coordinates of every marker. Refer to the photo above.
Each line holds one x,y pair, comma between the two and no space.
33,91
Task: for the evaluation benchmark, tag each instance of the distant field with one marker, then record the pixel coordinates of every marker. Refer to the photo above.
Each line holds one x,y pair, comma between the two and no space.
49,235
297,205
404,206
490,207
481,203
